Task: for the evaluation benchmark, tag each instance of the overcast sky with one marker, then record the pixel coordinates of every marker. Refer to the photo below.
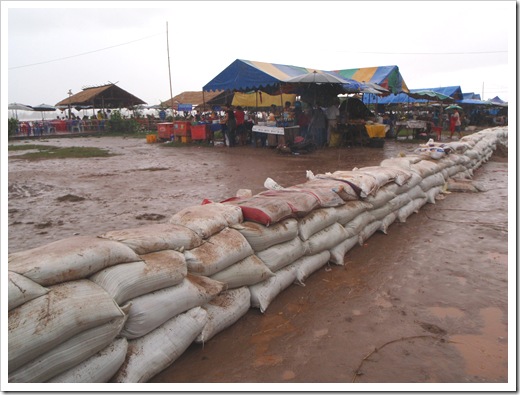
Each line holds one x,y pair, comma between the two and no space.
52,47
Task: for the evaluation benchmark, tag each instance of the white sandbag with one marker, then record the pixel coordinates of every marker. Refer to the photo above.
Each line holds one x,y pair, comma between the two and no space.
380,198
301,202
416,193
402,162
281,255
385,175
337,253
69,353
393,205
413,207
387,221
149,311
344,190
224,311
366,182
432,181
261,237
248,271
413,181
154,352
325,239
218,252
70,259
156,237
425,168
432,194
355,226
326,196
66,310
368,231
21,290
157,270
351,210
315,221
207,219
307,265
99,368
460,185
262,294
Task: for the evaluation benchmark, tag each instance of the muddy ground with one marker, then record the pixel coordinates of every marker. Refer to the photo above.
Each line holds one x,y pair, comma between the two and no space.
426,303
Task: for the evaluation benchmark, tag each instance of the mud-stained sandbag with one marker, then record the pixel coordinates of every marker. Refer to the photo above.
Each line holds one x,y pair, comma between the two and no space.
307,265
326,196
459,185
413,207
432,194
248,271
385,175
368,231
326,239
387,221
70,259
380,198
156,237
301,202
337,254
262,294
281,255
343,189
416,193
21,290
425,168
157,270
69,353
224,311
262,209
261,237
207,219
314,222
218,252
432,181
154,352
366,182
393,205
149,311
352,228
66,310
351,210
99,368
414,180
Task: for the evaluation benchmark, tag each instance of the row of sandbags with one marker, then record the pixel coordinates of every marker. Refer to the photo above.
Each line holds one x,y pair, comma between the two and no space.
124,305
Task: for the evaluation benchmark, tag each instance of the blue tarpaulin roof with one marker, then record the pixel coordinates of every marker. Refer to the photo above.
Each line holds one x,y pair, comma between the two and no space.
452,91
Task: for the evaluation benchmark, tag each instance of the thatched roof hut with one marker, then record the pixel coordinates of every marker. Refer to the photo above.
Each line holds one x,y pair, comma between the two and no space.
194,98
105,96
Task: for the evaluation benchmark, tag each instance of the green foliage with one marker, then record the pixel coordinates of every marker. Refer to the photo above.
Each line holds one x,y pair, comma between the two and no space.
118,124
12,127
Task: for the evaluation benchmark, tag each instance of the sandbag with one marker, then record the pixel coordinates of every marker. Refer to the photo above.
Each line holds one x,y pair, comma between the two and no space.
307,265
326,239
219,252
416,193
368,231
149,311
99,368
352,228
262,294
301,202
425,168
281,255
248,271
366,182
69,353
208,219
432,181
315,221
432,194
381,197
385,175
156,237
387,221
157,270
413,207
343,189
261,237
262,209
154,352
326,196
223,311
21,290
393,205
73,258
337,253
66,310
351,210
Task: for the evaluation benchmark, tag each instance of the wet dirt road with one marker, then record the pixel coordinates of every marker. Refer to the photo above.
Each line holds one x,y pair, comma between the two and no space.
427,303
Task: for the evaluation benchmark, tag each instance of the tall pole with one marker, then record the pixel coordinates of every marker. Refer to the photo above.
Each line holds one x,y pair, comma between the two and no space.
169,70
483,91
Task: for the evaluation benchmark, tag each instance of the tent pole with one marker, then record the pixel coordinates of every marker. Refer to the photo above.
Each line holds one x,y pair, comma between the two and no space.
169,69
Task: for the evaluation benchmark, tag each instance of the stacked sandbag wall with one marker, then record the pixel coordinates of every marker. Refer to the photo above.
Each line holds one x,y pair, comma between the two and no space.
122,306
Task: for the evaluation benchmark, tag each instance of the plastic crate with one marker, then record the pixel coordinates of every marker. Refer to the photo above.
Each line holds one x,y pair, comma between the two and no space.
181,128
165,130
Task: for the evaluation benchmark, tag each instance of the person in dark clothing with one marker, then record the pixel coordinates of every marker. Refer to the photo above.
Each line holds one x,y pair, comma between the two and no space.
231,126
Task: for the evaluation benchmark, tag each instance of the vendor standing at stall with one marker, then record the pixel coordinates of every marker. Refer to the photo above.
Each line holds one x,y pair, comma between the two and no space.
332,114
231,125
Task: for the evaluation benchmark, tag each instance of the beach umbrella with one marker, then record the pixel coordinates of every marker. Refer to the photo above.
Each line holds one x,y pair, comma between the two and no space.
323,83
44,108
19,106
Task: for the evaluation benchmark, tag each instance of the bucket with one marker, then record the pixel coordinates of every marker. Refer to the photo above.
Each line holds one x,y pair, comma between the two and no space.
151,138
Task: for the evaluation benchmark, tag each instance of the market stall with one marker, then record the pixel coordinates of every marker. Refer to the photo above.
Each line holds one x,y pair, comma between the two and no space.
277,135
